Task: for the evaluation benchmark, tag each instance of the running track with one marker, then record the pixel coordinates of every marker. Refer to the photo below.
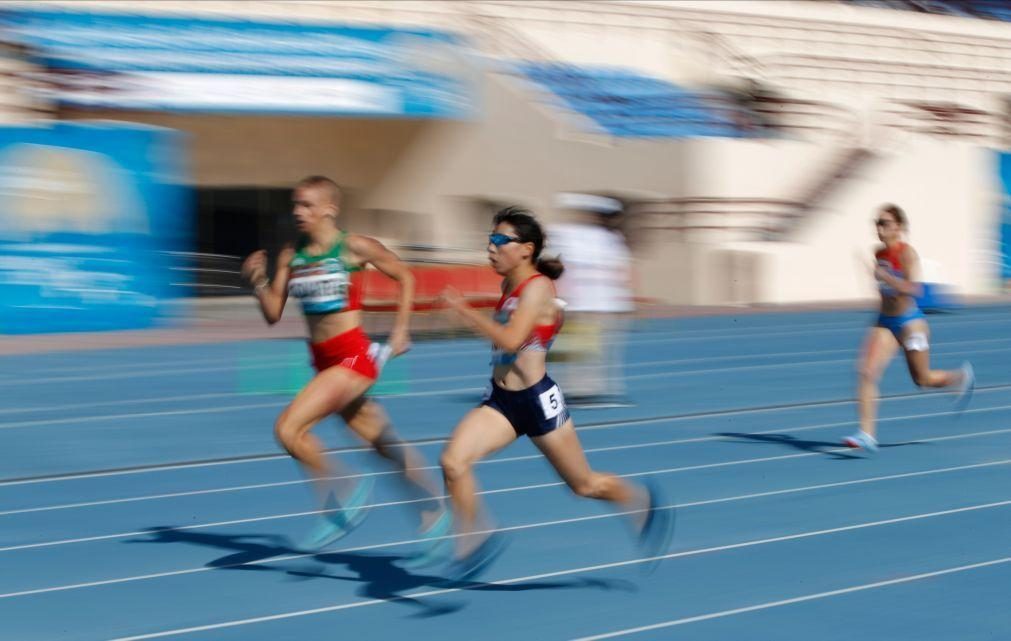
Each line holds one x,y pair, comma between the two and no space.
143,497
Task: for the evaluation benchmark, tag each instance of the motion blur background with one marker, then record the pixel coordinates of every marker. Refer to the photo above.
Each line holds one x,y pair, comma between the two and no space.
722,160
147,147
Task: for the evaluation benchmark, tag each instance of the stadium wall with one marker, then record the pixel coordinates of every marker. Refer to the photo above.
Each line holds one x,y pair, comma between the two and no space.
948,189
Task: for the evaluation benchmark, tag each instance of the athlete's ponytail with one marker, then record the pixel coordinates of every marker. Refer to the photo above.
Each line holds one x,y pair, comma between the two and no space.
528,230
550,267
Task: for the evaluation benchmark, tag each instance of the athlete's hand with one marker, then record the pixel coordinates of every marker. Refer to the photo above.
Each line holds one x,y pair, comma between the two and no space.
254,268
452,298
399,342
287,253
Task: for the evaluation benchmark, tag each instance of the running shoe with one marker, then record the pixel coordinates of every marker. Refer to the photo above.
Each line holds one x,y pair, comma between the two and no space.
340,520
966,387
861,441
479,559
436,544
658,528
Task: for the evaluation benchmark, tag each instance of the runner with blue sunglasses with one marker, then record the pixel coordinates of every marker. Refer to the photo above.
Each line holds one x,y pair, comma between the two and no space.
522,400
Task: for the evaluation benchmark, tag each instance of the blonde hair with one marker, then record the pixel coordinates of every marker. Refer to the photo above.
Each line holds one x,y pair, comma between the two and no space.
332,190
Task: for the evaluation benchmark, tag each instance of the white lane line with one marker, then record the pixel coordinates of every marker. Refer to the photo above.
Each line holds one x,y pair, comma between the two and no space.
299,355
519,488
508,459
701,503
154,372
128,401
150,372
587,427
566,572
800,599
438,392
122,417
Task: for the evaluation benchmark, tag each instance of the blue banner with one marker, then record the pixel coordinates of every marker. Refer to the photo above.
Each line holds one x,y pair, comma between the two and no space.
170,63
1005,237
94,221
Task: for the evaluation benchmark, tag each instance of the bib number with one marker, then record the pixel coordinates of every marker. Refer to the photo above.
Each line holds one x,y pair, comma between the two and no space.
552,402
917,342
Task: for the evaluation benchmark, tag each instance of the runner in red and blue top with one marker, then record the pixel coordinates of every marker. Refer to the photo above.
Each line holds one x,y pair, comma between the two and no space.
900,324
323,272
521,400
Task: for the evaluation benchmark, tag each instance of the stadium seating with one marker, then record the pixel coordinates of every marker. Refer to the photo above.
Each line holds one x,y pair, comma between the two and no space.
992,9
625,103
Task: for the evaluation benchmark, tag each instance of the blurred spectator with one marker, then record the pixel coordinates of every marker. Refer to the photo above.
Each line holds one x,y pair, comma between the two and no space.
588,356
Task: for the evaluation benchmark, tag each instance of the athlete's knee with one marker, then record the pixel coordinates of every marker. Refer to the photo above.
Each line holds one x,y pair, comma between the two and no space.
868,373
455,464
591,486
286,432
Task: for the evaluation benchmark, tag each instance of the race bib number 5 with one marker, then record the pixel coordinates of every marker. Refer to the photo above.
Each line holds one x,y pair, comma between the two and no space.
552,402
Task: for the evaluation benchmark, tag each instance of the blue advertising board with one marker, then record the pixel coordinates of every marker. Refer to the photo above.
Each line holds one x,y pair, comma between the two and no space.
1005,236
171,63
94,223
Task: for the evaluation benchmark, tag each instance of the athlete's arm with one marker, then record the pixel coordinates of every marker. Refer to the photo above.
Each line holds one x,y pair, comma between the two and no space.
271,294
910,286
509,337
372,251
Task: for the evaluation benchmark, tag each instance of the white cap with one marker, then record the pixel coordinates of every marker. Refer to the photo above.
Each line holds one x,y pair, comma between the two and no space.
588,202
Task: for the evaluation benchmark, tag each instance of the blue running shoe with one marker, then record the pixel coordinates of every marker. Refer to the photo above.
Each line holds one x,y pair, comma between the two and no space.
966,387
335,525
479,559
437,545
658,528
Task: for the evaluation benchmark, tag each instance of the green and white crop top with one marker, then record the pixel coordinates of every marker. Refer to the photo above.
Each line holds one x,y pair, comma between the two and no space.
325,283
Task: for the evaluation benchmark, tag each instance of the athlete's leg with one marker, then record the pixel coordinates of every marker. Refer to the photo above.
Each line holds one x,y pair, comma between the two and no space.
878,350
327,393
481,432
367,419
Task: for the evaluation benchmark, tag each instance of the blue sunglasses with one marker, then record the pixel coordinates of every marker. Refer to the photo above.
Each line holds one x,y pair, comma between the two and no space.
502,239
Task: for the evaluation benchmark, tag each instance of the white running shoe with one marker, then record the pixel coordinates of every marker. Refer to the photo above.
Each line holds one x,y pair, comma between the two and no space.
861,441
966,387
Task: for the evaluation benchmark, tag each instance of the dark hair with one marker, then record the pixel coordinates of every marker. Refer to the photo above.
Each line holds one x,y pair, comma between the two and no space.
896,212
529,231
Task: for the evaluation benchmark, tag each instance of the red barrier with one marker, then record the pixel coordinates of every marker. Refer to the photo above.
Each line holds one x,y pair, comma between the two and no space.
479,284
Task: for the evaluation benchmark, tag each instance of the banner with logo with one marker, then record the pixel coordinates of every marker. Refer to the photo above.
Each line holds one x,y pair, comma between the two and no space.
94,221
1004,164
129,61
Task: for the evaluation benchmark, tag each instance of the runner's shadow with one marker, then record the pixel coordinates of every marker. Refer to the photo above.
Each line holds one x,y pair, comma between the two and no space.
831,449
379,574
385,580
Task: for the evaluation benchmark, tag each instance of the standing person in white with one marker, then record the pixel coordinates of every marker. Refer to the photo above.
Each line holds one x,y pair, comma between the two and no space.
597,290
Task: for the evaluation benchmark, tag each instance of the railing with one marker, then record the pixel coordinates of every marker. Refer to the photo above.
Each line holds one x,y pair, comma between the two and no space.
206,274
760,112
745,219
946,120
714,219
925,76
